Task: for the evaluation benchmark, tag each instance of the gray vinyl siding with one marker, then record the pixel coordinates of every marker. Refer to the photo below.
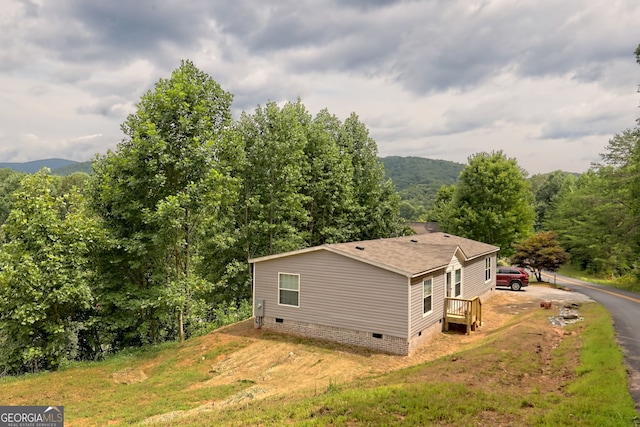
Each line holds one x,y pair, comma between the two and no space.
336,291
418,321
473,284
473,277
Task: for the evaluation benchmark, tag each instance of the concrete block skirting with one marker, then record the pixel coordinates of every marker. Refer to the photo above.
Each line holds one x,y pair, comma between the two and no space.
372,340
418,340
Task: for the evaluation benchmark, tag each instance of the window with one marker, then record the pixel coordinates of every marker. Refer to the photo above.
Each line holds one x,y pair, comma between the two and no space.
458,283
487,269
289,287
427,296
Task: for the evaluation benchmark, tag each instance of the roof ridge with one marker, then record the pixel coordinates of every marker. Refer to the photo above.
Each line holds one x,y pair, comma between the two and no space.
405,255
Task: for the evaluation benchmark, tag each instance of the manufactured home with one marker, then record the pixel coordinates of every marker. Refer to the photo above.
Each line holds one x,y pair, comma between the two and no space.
389,295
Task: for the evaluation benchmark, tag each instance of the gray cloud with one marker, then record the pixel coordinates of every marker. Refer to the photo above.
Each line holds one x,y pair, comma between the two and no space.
427,75
575,127
127,29
112,106
431,46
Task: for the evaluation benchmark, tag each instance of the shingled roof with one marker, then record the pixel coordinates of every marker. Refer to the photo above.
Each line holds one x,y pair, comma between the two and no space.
408,255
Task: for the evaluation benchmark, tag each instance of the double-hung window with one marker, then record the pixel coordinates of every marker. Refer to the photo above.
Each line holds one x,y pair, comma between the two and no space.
289,289
487,269
427,296
458,283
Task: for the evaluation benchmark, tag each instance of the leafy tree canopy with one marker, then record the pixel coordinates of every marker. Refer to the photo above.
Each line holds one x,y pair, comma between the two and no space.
492,202
46,275
597,215
545,189
539,252
158,192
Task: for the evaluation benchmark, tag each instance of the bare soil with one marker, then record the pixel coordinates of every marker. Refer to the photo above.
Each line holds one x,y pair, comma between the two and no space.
276,364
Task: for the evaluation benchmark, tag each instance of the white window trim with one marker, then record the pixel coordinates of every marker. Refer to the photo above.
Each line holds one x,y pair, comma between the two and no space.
454,282
487,259
279,289
454,265
424,314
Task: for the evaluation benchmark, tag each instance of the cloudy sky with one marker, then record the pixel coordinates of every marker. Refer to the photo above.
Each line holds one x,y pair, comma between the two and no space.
546,81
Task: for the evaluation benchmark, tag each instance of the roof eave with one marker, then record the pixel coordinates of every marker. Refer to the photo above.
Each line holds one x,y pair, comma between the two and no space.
494,250
286,254
431,270
370,262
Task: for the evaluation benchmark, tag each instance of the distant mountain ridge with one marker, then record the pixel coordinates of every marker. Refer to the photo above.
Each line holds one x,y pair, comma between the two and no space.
61,167
406,172
417,180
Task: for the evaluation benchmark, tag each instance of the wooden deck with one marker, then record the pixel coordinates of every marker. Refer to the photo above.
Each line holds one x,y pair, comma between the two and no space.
463,311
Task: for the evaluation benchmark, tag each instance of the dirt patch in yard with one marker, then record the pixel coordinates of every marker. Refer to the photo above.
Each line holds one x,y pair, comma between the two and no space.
277,364
129,376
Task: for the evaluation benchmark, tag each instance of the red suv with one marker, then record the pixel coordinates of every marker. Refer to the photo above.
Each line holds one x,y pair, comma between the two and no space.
514,277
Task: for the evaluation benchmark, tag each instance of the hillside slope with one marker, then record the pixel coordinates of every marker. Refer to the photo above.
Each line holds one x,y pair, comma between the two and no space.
237,366
410,171
418,180
84,167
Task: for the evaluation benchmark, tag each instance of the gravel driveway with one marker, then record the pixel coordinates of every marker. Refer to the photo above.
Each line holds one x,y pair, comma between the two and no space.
547,293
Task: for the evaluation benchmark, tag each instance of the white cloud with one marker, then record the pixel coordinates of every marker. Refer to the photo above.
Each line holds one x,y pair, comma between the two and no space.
548,82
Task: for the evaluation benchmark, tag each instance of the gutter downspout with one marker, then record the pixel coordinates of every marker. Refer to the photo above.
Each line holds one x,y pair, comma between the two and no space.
259,319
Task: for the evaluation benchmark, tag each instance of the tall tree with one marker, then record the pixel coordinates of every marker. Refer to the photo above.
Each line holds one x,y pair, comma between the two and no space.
46,275
545,189
443,205
305,181
492,203
597,218
273,179
270,215
156,192
590,224
376,207
328,182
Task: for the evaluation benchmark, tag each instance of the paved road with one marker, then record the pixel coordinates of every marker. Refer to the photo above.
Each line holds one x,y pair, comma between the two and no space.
624,307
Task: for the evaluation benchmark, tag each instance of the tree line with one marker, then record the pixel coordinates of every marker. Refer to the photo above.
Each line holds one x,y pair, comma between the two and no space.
594,216
154,244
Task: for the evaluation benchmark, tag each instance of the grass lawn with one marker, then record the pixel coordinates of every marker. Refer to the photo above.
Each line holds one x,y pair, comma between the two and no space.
505,381
126,388
626,282
524,372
